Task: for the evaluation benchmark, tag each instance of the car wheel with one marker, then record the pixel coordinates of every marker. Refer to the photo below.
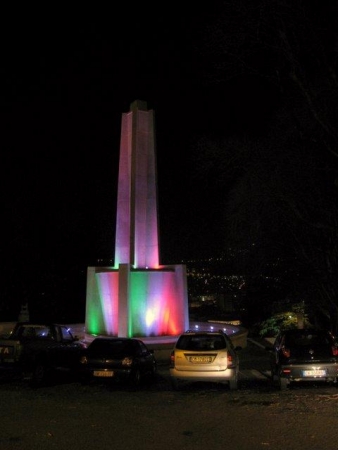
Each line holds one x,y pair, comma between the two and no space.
135,379
153,371
233,384
174,384
84,380
274,380
274,372
283,383
39,374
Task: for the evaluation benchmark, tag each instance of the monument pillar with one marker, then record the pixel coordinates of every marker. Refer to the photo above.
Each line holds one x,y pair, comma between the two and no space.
137,219
137,296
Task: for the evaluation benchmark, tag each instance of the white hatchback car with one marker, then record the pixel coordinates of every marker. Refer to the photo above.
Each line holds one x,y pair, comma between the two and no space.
204,356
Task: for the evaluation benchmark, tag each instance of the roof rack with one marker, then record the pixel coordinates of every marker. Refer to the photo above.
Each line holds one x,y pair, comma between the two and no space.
204,331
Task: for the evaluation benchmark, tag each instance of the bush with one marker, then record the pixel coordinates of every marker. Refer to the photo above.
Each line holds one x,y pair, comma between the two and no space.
279,322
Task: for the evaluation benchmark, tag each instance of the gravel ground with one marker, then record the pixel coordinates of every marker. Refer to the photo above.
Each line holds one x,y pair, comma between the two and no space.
257,416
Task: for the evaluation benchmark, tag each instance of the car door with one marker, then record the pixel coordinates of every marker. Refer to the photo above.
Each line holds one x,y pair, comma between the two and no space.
65,353
145,358
274,354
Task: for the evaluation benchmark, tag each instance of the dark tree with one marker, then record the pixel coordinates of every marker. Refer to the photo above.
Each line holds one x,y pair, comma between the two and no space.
279,177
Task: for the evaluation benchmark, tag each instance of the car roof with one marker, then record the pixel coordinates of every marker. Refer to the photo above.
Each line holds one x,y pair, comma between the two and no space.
204,332
40,324
115,338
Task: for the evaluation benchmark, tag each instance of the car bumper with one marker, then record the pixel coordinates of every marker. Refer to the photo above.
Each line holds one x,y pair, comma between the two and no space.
105,374
10,370
316,372
222,376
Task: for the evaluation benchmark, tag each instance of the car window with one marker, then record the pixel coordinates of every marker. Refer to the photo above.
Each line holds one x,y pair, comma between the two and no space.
278,340
66,334
135,346
143,348
112,347
307,338
31,331
201,342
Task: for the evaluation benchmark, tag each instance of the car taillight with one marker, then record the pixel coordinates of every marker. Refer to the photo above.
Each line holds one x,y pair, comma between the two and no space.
286,352
335,350
231,361
172,359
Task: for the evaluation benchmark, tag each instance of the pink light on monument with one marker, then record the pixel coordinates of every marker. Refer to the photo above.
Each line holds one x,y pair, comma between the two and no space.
136,218
108,286
154,294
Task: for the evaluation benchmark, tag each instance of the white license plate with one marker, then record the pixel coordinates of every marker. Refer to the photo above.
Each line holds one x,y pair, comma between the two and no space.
200,359
6,350
103,373
314,373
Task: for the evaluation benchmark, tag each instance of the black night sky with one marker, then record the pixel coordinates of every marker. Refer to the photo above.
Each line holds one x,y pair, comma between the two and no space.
67,77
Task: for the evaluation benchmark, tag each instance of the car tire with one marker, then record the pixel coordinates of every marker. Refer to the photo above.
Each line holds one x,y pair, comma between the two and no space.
233,384
274,372
174,384
283,383
274,380
85,381
39,376
135,378
153,373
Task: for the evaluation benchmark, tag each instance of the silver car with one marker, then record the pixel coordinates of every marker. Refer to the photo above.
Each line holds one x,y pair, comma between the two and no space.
204,356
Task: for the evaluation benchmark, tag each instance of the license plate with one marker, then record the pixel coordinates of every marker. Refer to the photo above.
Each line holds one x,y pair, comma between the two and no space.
200,359
314,373
103,373
6,350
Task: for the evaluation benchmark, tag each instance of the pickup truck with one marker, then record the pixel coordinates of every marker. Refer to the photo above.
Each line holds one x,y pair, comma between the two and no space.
36,352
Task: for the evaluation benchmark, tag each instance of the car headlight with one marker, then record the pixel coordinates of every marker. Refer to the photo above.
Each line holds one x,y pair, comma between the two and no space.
127,361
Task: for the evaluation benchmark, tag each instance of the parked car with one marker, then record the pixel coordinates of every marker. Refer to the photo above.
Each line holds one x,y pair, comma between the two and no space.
299,355
39,352
117,359
204,356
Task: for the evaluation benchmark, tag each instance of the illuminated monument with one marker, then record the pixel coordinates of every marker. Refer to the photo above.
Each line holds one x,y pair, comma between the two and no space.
137,296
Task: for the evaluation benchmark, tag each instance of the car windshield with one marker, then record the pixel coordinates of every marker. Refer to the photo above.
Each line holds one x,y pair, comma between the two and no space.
112,347
201,342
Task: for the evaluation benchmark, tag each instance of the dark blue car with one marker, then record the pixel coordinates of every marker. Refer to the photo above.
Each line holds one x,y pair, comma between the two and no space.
115,359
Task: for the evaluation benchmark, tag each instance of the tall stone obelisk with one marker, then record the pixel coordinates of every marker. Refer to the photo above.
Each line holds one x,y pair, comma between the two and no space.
136,223
138,296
